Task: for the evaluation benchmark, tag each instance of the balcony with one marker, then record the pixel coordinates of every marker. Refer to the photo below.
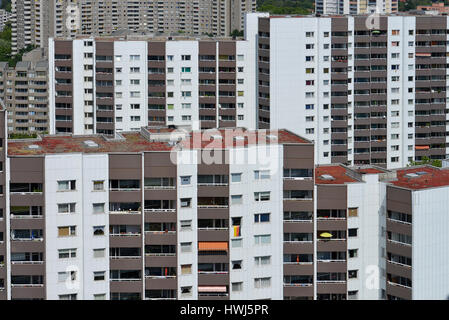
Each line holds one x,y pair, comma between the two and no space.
124,185
213,202
26,188
125,208
160,206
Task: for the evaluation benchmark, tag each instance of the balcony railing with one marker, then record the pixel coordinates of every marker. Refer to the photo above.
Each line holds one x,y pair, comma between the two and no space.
27,262
27,285
213,206
126,279
160,254
125,212
125,257
159,210
29,216
126,234
298,284
398,285
27,239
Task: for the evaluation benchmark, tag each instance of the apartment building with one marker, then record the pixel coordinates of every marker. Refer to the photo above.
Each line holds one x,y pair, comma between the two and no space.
5,16
108,85
366,91
24,91
330,7
4,202
416,216
35,21
98,218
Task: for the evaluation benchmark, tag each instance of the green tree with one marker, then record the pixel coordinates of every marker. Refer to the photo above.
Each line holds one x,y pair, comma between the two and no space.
236,33
286,6
426,160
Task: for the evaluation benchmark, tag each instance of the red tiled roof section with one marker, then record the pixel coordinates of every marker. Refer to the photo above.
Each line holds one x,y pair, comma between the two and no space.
369,171
337,172
135,142
53,144
434,177
211,139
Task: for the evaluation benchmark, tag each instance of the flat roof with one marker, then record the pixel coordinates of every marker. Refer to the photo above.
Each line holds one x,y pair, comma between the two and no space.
334,174
133,142
223,138
137,142
421,177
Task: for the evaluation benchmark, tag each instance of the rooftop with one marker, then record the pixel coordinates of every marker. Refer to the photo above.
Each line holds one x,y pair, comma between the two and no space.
335,174
421,177
149,139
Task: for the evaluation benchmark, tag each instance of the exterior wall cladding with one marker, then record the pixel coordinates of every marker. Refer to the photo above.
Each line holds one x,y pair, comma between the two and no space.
365,96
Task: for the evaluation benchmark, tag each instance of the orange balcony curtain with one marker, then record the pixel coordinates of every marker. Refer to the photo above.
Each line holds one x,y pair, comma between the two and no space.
213,246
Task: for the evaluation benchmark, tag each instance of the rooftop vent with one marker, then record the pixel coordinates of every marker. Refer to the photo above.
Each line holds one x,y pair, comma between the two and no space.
240,138
421,173
33,146
327,177
90,144
411,175
272,137
216,137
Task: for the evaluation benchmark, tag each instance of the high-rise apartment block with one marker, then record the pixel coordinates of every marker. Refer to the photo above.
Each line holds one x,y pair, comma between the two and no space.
366,90
352,7
5,16
24,92
109,85
229,214
35,21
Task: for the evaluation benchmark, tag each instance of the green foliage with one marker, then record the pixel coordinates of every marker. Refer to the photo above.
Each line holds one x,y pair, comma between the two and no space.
22,136
412,4
426,160
237,33
286,6
6,4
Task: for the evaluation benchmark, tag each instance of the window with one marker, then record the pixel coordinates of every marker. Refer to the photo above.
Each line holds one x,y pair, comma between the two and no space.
262,282
261,174
186,225
236,177
134,82
99,275
186,69
236,243
67,296
134,70
66,207
353,253
185,180
66,185
99,230
66,275
236,264
352,274
262,196
100,296
236,286
98,207
99,253
262,260
186,291
186,202
352,212
185,57
186,246
66,253
237,199
262,239
134,57
261,217
352,232
66,231
186,269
